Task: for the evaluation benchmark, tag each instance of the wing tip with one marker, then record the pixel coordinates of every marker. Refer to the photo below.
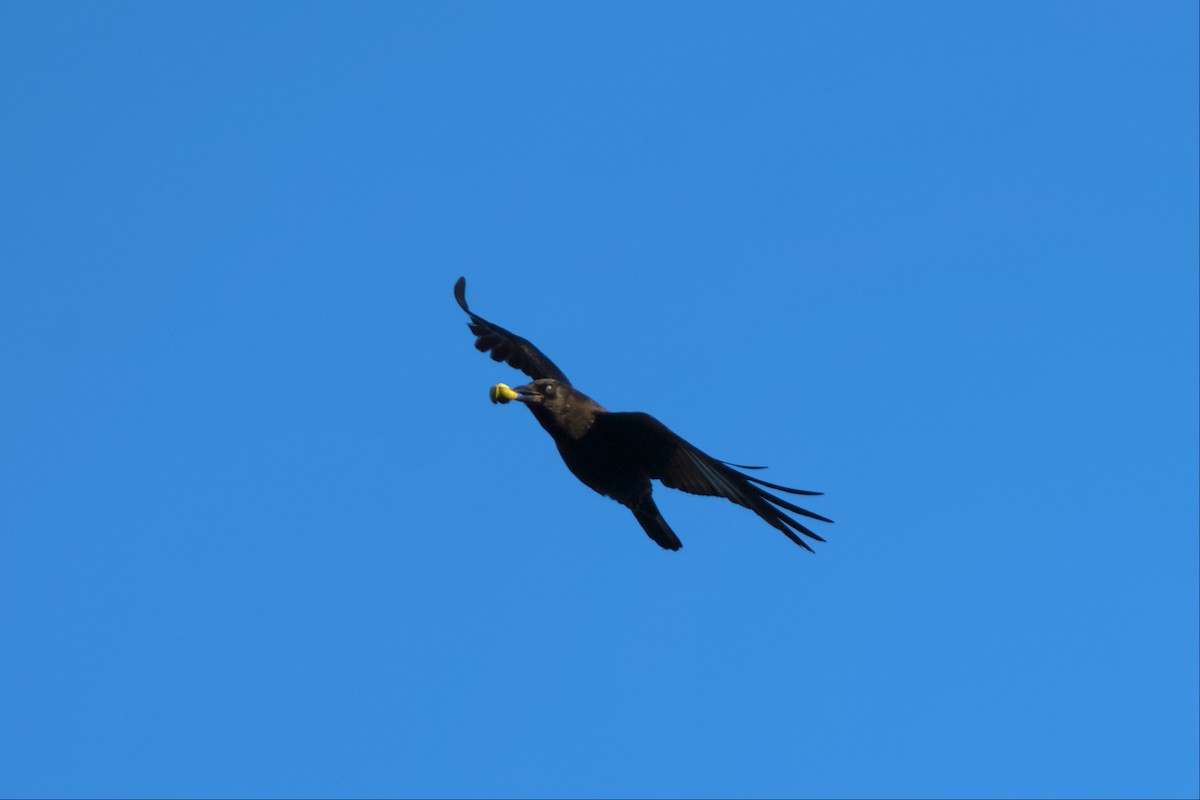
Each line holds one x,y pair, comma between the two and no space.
739,466
460,294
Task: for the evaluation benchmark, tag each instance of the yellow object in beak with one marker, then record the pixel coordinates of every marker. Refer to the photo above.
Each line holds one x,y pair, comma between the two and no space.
500,393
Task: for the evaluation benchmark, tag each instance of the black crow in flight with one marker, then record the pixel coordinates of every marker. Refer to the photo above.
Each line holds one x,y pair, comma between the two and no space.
619,453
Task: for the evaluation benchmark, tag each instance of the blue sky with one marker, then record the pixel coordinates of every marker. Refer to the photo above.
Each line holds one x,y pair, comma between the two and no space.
264,535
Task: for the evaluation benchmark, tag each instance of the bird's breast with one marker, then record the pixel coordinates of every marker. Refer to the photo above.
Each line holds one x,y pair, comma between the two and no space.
602,465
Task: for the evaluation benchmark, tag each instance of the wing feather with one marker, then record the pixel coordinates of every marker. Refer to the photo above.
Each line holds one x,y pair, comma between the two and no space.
667,457
504,345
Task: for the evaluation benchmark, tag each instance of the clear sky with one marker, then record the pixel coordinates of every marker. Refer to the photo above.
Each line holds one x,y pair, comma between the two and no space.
262,534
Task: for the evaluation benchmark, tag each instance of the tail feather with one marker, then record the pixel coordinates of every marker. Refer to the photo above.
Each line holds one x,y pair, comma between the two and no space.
655,526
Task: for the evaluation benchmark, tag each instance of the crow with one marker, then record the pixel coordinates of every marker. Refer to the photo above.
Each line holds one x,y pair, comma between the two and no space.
618,453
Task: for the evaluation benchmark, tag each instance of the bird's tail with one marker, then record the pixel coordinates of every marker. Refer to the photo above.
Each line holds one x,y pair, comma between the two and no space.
655,526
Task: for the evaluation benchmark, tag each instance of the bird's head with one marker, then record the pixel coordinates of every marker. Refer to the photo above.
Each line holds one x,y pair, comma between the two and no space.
558,406
544,392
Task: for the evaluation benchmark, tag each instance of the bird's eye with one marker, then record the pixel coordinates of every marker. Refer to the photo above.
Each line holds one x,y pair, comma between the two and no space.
548,389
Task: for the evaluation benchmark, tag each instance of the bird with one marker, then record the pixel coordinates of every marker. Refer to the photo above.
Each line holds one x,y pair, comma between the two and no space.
619,453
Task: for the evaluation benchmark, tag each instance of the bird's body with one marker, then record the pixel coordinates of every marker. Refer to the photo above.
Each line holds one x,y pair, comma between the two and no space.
596,447
618,453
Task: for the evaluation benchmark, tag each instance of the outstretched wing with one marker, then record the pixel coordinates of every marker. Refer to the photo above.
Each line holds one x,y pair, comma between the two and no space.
506,346
665,456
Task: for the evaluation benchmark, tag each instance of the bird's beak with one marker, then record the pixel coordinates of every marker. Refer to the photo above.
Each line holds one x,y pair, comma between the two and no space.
527,394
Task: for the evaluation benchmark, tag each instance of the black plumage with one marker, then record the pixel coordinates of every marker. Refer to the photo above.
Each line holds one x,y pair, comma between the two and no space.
618,453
